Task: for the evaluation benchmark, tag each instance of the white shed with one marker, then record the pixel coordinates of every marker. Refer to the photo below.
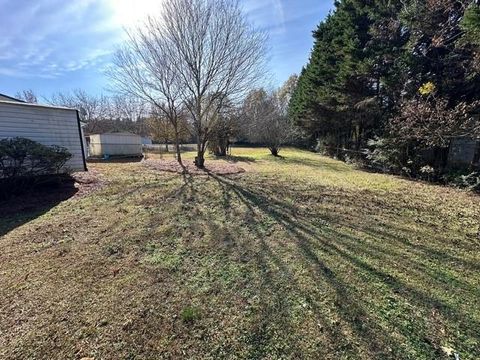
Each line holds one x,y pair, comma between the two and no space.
115,144
48,125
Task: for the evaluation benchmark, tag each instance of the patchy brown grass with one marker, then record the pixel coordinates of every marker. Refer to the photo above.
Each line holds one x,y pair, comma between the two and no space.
34,202
88,182
300,257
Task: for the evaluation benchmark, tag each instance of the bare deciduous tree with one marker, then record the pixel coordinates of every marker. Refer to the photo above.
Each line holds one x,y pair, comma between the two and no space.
129,108
197,52
28,96
267,119
161,129
93,109
142,68
219,57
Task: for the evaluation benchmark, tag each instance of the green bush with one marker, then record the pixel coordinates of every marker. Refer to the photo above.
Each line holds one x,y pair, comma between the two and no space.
24,163
470,181
20,157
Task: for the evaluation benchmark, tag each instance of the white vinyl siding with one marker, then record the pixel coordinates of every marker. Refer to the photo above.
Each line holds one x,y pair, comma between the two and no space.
115,144
46,125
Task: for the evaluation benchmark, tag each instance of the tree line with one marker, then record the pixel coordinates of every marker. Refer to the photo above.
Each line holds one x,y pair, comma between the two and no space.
260,118
113,113
196,71
100,113
392,81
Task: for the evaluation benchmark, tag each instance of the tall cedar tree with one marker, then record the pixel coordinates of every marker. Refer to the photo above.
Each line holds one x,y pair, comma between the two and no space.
369,60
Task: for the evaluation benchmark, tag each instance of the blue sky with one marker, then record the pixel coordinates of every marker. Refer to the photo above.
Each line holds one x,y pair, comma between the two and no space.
58,45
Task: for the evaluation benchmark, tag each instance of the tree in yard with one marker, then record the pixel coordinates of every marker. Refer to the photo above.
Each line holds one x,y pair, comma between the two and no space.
267,119
211,51
144,68
162,131
225,127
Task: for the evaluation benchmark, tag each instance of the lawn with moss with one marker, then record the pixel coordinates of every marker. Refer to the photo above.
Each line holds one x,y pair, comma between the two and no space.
299,257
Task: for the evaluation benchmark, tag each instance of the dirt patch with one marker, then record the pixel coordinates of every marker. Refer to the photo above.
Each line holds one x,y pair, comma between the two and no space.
88,182
216,168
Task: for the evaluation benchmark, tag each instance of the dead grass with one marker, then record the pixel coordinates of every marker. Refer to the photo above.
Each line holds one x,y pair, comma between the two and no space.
300,257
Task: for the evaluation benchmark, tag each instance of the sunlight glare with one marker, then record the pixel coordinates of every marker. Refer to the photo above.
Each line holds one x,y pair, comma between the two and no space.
128,13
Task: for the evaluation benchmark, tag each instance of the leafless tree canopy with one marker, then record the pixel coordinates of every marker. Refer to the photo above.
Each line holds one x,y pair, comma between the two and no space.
266,117
194,56
143,69
28,96
104,113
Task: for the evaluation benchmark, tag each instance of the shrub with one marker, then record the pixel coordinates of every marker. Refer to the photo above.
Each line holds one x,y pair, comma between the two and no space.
326,145
20,157
387,156
24,163
470,181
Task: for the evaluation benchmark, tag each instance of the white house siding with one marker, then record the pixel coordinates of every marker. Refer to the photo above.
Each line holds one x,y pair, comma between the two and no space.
46,125
115,144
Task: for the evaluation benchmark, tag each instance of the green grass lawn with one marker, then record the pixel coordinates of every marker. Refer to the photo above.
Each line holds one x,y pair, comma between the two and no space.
299,257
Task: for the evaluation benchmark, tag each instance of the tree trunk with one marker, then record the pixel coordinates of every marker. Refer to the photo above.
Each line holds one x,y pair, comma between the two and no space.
166,145
220,151
200,160
201,147
222,148
274,151
179,155
177,147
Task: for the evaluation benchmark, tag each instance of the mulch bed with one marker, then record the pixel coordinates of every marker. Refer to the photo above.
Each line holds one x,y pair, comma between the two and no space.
215,168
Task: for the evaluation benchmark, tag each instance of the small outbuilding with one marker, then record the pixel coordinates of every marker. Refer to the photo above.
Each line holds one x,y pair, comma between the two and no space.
48,125
115,144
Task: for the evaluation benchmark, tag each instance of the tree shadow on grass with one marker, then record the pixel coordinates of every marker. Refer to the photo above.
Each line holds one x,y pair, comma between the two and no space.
354,317
319,246
235,159
380,291
315,163
18,210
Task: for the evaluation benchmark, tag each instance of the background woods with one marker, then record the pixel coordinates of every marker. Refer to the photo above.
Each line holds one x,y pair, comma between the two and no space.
392,85
400,79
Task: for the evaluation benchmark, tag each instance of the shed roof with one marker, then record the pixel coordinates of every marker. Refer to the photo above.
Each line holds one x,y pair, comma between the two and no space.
121,133
23,103
10,98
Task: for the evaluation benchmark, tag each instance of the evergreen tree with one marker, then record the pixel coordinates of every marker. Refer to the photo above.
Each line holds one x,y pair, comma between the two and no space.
395,70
